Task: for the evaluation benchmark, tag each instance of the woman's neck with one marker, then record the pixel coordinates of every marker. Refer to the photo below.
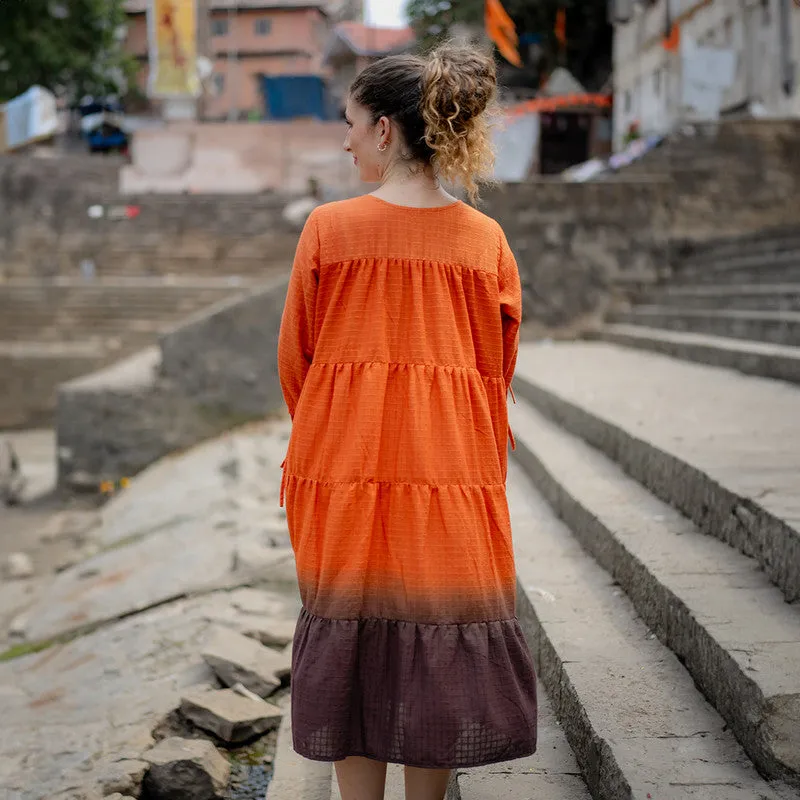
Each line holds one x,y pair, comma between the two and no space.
417,188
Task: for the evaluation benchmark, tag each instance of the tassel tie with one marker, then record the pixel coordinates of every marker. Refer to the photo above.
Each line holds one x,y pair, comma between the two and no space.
510,432
283,482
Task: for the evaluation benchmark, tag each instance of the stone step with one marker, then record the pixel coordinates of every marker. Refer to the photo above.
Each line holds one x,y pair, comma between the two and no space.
712,606
756,297
11,299
763,244
763,273
722,267
721,447
636,722
294,777
752,358
776,327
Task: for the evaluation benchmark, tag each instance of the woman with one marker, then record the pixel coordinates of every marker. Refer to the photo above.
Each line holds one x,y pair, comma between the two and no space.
397,348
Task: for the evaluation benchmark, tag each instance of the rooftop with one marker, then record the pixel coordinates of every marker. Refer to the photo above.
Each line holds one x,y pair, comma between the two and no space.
140,6
366,40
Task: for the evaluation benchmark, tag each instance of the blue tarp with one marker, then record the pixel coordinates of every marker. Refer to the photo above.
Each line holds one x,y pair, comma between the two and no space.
293,96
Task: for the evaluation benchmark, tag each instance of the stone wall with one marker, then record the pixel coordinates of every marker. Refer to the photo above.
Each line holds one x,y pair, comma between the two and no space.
575,242
217,370
46,230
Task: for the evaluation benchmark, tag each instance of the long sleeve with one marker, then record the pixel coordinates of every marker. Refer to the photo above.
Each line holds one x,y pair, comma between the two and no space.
510,307
296,340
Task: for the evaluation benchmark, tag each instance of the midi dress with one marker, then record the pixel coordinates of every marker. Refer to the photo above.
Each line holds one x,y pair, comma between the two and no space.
396,351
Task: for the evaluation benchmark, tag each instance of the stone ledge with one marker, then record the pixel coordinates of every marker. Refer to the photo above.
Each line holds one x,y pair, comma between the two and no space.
215,371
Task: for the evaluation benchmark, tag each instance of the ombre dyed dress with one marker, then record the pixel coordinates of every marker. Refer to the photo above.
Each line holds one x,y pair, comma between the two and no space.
396,352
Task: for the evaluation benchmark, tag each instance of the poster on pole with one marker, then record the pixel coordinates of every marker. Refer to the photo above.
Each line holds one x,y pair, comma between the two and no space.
172,28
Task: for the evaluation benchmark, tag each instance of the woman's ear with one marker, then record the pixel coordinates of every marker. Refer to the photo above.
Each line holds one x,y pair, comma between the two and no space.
385,129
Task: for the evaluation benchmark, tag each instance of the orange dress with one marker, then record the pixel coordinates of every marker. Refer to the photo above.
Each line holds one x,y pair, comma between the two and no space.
397,348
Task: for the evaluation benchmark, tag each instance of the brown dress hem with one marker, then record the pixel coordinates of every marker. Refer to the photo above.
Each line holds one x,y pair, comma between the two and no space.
434,696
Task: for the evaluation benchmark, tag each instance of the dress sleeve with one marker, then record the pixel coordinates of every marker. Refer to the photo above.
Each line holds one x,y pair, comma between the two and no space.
296,339
510,307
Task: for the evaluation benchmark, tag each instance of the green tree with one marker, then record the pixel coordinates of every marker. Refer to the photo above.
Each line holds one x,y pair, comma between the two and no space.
587,53
72,47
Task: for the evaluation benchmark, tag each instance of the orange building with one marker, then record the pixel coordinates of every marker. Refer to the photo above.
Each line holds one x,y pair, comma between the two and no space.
246,39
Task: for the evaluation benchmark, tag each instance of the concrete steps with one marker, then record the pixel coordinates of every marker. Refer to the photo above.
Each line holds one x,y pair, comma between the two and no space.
636,722
713,607
54,312
751,297
656,605
772,267
763,244
731,303
752,358
776,327
721,447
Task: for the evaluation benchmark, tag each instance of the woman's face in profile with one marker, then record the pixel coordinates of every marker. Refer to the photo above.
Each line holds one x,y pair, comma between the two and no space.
362,140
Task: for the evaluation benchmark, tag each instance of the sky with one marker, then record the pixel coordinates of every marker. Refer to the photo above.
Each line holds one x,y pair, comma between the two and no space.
387,13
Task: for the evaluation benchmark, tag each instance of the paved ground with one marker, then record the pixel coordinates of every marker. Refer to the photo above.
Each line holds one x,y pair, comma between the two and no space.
169,555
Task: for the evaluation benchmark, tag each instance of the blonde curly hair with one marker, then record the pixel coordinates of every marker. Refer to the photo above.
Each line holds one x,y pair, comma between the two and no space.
442,106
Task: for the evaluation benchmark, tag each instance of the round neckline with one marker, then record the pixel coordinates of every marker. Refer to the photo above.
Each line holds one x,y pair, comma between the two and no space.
414,208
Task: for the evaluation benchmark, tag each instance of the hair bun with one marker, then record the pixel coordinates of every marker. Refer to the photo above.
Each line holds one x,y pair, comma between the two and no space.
459,85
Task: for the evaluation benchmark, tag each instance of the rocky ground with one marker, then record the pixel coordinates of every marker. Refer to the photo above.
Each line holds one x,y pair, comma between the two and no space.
147,638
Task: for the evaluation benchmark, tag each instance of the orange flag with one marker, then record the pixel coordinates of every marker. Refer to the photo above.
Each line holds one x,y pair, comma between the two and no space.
502,31
672,42
561,27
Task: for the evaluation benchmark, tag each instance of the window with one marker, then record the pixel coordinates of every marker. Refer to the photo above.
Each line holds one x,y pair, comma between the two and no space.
766,17
218,81
657,82
262,27
219,27
627,101
729,30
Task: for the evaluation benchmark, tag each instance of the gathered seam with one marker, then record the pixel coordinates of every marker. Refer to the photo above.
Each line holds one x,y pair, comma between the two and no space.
313,616
367,481
407,364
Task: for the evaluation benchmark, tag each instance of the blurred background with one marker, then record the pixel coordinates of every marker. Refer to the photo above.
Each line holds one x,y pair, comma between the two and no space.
158,159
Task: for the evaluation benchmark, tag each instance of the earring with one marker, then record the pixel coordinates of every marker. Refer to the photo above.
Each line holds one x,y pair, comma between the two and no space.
382,146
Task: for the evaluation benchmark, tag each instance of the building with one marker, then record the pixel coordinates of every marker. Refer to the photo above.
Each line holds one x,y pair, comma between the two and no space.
352,46
245,40
762,35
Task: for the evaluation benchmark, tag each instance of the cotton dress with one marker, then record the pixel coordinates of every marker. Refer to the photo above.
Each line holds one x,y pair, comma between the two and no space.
397,348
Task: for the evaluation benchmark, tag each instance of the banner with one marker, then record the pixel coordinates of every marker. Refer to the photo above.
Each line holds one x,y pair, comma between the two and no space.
28,118
173,49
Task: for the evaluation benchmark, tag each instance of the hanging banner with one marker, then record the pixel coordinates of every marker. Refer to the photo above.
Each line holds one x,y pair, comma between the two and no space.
172,27
545,104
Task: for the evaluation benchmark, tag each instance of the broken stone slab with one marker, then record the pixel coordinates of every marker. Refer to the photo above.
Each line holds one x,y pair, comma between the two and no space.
271,632
253,601
18,627
229,715
18,565
123,777
76,526
251,555
185,769
236,658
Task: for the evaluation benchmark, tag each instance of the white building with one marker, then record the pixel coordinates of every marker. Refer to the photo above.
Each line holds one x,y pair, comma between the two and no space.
763,36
